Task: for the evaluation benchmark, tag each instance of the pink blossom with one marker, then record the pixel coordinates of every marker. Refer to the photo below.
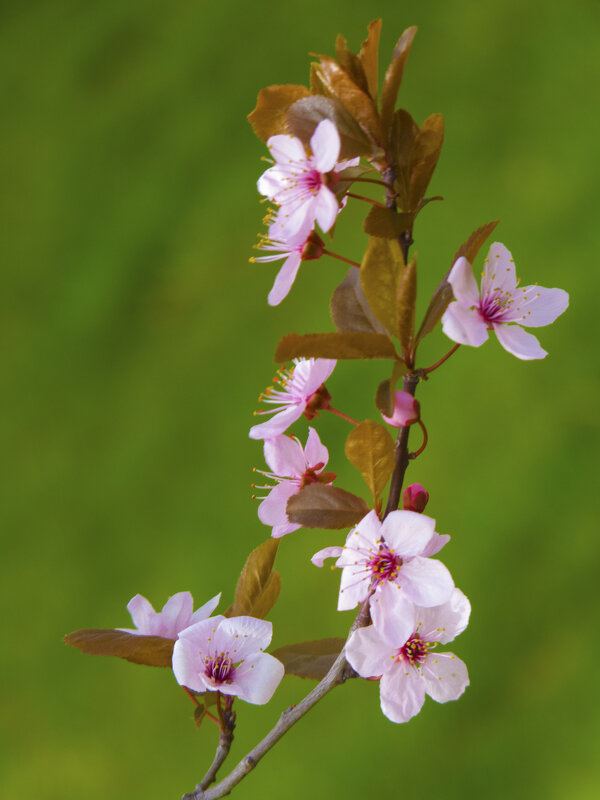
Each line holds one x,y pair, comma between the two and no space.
299,184
299,248
414,498
500,306
226,655
406,410
176,615
302,392
412,668
393,559
293,467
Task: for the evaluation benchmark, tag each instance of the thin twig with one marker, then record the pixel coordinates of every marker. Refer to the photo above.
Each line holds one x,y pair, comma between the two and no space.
366,199
342,415
439,363
410,383
341,258
425,439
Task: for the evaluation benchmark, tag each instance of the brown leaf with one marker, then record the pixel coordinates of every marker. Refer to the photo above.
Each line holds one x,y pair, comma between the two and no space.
424,157
393,77
255,580
310,659
385,223
272,105
475,241
406,299
335,345
153,651
350,63
321,506
349,309
316,81
379,275
357,102
305,114
268,597
369,58
402,137
370,448
384,397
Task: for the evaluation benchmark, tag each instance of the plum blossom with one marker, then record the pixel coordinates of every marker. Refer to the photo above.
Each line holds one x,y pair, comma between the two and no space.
406,410
391,558
501,305
298,248
293,467
226,655
413,668
299,183
302,392
176,615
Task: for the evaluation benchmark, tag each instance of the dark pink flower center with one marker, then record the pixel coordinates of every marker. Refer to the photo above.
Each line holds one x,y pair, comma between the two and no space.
414,651
219,668
385,565
494,307
311,180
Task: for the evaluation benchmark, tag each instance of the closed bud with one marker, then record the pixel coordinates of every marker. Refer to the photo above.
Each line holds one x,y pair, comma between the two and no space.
406,410
415,498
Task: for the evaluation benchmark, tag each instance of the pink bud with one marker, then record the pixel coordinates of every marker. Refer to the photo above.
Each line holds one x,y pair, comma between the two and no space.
406,410
415,498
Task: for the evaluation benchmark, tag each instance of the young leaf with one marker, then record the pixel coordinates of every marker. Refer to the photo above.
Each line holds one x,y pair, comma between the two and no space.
153,651
370,448
349,309
379,274
406,299
305,114
424,157
350,63
359,104
310,659
321,506
402,138
335,345
384,397
255,581
369,58
272,105
393,77
385,223
268,597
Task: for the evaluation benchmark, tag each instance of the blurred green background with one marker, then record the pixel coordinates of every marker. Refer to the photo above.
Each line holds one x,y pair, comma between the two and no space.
136,338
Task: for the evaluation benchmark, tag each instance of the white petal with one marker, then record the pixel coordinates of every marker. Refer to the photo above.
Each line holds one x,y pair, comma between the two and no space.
445,622
278,423
286,149
535,306
325,144
393,614
241,636
206,610
315,452
445,676
499,270
257,678
317,372
272,510
325,208
464,325
521,344
187,665
284,279
142,614
402,693
285,456
176,614
272,182
367,533
407,532
464,285
435,544
368,654
354,587
426,581
326,552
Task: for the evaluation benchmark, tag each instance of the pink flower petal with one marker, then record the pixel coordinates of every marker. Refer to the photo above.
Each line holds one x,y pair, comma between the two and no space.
325,208
284,279
426,581
185,666
518,342
393,614
445,622
445,677
435,544
368,653
315,452
314,372
536,306
257,678
272,510
285,456
354,587
326,552
407,532
175,615
406,410
464,325
206,610
402,693
242,636
286,149
499,270
278,423
142,613
325,144
464,285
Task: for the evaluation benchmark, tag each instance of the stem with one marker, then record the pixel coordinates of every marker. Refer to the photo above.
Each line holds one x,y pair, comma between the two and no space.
341,258
227,717
374,180
439,363
336,676
366,199
409,384
425,439
342,415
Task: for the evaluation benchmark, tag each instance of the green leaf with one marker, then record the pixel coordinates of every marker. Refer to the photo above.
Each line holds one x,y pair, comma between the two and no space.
475,241
393,76
357,102
424,157
321,506
379,275
384,397
350,63
406,300
370,448
310,659
270,115
255,582
349,309
305,114
369,58
152,651
386,223
335,345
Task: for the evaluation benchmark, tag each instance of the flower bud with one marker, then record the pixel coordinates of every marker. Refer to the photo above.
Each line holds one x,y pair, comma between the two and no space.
415,498
406,410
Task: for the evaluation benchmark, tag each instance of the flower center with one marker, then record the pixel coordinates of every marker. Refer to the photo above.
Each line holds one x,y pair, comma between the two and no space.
493,307
311,180
385,565
219,668
414,651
